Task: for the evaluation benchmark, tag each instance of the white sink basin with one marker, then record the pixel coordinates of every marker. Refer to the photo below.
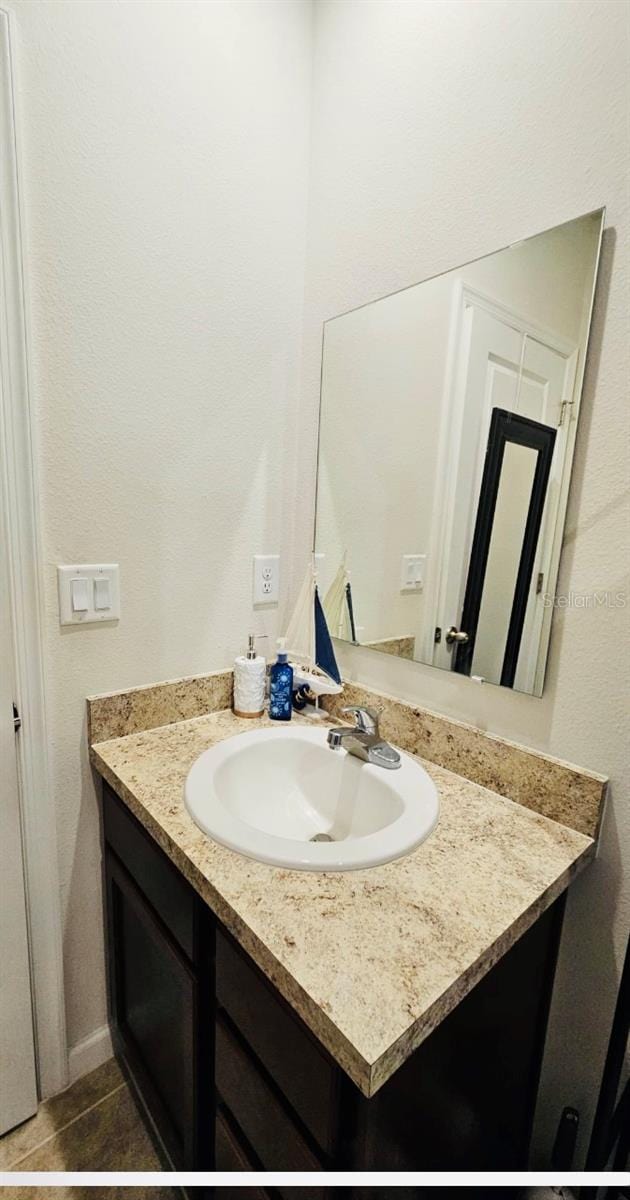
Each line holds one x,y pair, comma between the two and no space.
270,792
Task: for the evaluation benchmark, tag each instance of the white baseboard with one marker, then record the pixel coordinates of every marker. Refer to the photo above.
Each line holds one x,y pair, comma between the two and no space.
89,1053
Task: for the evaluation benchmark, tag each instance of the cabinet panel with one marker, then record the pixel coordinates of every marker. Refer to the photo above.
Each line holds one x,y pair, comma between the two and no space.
162,884
256,1109
153,999
302,1071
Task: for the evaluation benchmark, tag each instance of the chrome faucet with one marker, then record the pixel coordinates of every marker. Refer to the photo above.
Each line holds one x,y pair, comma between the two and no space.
363,739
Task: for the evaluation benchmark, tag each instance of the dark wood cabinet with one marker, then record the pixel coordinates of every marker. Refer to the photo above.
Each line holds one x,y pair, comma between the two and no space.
227,1075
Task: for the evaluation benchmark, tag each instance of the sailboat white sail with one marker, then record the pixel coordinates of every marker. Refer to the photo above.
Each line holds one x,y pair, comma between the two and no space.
335,605
308,642
338,605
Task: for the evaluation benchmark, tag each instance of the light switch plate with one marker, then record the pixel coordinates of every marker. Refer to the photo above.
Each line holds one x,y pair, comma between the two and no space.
79,603
266,585
412,572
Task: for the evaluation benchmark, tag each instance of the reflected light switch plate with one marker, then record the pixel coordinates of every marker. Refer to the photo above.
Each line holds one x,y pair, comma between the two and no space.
412,572
88,593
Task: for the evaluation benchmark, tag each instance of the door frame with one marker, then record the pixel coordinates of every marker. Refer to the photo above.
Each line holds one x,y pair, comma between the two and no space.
465,299
18,475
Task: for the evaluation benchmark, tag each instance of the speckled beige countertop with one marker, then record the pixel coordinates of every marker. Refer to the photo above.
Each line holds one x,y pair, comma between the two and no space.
371,960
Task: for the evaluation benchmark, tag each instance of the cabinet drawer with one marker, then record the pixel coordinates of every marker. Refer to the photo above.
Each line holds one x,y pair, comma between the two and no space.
166,890
256,1109
303,1073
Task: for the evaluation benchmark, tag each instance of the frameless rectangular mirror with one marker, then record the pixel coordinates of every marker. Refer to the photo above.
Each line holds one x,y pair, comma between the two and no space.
447,428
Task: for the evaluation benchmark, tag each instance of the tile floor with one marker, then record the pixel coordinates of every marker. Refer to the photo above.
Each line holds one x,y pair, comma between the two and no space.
94,1126
87,1193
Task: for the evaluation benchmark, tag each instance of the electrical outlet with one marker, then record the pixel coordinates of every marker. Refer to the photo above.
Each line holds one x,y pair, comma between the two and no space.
266,585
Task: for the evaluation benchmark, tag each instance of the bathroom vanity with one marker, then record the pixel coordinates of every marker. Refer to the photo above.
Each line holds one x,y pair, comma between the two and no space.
210,1044
387,1019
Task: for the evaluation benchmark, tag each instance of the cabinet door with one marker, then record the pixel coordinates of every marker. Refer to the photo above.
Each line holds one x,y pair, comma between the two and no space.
154,1003
168,894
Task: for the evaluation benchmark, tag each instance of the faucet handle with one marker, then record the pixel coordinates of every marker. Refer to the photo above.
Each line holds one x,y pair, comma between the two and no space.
366,718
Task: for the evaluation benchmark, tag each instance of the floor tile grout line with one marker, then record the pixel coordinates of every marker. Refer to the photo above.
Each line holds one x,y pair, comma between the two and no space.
62,1128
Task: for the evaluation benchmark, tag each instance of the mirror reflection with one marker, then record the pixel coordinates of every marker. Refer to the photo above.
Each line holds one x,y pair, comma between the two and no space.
447,429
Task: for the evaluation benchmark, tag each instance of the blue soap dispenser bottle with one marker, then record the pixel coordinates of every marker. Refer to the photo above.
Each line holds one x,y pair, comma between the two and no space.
281,685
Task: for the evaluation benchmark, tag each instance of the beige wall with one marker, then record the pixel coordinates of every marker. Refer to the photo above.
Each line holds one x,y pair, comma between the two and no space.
164,153
440,132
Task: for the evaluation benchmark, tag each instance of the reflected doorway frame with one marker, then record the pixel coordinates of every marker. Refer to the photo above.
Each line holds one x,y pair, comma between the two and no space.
505,427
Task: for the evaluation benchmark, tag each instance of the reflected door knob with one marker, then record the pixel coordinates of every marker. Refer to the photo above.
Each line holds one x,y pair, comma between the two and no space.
456,636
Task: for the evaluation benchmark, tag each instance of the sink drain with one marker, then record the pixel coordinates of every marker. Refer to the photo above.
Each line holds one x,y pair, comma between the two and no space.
321,837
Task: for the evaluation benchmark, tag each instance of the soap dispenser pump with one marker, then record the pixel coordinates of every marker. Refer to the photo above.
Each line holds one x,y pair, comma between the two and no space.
281,685
249,681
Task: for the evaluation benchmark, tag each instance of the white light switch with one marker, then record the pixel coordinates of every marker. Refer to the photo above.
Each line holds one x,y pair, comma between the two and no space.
79,590
412,572
88,593
102,593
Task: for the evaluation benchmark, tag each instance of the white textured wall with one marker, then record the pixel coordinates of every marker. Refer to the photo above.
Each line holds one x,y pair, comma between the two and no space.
443,129
164,151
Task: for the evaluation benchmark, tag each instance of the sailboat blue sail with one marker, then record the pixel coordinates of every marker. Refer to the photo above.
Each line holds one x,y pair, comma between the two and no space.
324,653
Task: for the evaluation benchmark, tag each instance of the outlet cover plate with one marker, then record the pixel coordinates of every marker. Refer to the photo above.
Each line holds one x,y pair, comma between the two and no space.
266,581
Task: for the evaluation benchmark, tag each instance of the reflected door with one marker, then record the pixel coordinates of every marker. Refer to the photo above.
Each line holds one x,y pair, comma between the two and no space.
489,362
502,367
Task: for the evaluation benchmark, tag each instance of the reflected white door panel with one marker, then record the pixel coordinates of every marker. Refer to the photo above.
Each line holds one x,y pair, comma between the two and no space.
489,361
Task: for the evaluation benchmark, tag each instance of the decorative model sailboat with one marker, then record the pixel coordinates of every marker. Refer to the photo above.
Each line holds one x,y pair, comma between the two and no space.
309,643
